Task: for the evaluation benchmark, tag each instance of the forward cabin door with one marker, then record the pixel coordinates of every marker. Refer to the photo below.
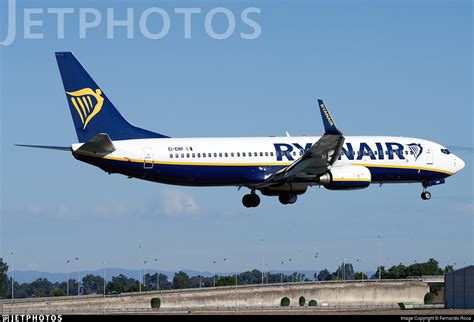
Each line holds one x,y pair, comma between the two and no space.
429,155
148,158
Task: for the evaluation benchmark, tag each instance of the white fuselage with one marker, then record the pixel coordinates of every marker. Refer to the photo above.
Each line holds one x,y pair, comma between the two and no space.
231,161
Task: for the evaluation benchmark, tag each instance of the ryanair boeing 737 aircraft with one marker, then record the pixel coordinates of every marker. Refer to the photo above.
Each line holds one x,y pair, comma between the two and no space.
274,166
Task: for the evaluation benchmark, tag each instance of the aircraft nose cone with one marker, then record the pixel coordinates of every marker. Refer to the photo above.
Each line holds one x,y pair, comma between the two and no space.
459,164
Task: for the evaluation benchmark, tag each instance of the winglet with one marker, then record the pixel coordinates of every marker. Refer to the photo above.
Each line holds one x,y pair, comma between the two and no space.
329,125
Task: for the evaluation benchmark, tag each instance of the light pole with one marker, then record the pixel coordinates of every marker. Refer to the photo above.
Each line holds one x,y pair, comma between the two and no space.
362,279
292,274
301,267
235,262
78,276
316,262
103,263
343,269
316,267
67,277
140,268
157,276
266,272
281,273
380,258
144,273
225,266
214,266
261,257
12,278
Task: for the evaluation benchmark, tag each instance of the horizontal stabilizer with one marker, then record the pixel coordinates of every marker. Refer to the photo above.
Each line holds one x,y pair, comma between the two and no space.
100,143
49,147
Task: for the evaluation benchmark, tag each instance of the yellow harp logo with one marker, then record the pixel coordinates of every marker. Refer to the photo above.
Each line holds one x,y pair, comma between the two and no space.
87,103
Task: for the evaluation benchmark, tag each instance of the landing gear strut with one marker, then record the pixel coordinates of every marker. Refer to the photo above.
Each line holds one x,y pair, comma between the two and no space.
425,195
251,200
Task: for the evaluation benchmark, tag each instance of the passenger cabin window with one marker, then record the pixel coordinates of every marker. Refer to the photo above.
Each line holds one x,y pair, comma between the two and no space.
243,154
215,155
194,155
220,154
271,154
176,155
238,154
199,155
182,155
266,154
232,154
255,154
171,155
226,155
187,155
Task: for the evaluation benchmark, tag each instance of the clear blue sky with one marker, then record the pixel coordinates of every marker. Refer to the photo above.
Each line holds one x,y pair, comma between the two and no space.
401,68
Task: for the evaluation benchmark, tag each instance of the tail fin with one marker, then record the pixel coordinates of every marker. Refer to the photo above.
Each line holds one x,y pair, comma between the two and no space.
92,112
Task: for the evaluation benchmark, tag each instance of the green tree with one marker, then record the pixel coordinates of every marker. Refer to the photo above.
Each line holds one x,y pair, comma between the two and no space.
324,275
383,273
181,280
3,278
42,287
360,276
151,281
92,284
122,284
448,268
58,292
397,272
345,271
226,281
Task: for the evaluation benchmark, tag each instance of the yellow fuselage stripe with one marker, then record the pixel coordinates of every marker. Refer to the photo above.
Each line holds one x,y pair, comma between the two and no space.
402,167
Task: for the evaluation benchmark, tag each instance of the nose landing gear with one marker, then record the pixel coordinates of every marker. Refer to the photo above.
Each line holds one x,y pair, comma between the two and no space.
425,195
251,200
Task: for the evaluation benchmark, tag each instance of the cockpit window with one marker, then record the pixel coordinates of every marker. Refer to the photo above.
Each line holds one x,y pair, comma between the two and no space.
445,151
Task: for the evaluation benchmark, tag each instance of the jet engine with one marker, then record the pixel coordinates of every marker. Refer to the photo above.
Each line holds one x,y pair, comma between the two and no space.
346,177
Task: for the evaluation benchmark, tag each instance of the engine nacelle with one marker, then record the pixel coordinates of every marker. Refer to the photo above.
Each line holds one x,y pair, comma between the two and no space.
346,177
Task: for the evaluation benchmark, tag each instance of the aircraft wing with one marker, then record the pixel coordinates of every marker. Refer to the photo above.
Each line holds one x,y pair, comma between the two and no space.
316,161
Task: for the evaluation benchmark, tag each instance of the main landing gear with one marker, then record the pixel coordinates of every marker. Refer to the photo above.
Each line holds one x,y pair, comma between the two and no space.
251,200
425,195
287,198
